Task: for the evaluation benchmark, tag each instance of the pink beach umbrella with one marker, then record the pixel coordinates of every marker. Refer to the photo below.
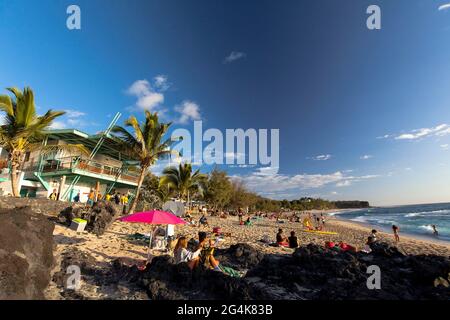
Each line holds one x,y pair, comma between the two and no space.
154,217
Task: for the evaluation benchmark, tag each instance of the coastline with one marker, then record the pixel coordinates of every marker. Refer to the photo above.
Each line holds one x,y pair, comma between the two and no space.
382,230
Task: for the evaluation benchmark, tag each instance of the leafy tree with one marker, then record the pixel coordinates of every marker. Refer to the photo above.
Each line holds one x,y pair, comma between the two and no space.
23,130
219,189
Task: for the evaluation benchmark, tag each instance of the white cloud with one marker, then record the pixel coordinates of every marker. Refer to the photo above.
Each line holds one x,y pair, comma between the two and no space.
275,185
74,113
440,131
444,7
161,82
445,146
233,56
366,157
189,111
56,125
147,98
344,183
322,157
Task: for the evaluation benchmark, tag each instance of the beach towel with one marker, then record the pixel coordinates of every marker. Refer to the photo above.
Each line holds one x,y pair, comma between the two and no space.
230,271
138,236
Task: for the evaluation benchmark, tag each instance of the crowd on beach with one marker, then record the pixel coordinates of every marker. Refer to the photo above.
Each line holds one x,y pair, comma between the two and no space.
201,251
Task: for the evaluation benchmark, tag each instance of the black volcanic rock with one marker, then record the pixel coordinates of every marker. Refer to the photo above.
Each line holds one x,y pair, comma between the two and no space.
311,272
26,253
99,217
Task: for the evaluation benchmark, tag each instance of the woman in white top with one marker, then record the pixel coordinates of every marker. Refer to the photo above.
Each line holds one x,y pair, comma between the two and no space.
182,254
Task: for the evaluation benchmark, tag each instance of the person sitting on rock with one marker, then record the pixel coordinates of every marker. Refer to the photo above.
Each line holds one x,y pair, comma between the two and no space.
373,234
281,240
248,222
182,254
293,242
368,247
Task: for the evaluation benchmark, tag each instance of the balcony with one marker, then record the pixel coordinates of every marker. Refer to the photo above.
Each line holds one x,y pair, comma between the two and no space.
82,166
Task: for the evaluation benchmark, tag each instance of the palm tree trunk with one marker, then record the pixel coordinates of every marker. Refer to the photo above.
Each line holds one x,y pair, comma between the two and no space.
140,181
15,164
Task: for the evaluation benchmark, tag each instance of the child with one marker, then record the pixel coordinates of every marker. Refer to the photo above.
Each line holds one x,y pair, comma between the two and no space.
396,229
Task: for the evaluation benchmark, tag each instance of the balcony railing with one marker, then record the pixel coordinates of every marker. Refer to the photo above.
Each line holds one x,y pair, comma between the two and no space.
92,166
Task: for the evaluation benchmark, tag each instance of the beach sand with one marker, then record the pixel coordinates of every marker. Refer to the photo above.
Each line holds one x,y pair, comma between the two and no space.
115,244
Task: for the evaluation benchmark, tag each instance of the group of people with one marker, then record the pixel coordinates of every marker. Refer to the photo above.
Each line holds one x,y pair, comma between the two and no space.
202,255
314,222
291,242
93,197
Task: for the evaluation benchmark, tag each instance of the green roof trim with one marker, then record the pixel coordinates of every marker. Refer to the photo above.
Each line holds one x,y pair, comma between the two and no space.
74,136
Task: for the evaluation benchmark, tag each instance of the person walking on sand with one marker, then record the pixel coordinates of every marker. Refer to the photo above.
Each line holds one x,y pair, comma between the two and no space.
396,229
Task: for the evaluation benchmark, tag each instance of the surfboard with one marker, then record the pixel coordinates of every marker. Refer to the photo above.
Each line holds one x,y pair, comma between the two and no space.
320,232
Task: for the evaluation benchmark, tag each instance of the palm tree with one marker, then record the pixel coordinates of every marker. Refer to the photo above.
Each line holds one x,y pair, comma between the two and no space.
22,129
183,181
144,144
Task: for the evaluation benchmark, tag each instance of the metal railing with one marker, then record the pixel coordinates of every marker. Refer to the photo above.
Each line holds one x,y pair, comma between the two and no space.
92,166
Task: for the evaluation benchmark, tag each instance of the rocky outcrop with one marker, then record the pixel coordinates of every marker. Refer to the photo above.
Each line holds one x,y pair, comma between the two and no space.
99,217
26,253
311,272
239,256
39,205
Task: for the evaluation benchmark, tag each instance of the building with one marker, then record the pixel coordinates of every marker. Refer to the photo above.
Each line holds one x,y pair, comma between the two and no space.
71,172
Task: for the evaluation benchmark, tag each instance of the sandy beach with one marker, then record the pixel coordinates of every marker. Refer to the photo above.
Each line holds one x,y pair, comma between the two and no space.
115,243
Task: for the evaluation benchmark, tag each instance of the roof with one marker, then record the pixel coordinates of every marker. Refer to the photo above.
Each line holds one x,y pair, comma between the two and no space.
73,136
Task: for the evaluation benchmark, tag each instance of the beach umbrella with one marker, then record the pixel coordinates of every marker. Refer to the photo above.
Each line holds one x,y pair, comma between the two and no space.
154,217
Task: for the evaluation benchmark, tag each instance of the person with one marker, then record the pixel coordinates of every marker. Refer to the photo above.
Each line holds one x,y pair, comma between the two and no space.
240,215
53,195
77,197
206,257
91,197
293,242
281,240
203,221
435,232
182,254
373,234
323,219
117,198
248,222
318,223
396,229
307,223
368,247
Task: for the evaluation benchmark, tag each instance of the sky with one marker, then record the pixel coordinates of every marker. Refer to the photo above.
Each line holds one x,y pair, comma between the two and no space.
362,114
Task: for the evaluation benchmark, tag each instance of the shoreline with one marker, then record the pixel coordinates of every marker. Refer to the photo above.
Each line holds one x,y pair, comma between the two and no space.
403,235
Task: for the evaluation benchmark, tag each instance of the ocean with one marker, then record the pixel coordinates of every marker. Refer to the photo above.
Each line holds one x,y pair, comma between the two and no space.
412,219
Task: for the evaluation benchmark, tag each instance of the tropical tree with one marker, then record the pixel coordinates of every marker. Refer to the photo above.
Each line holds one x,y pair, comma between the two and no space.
219,189
22,129
145,144
183,181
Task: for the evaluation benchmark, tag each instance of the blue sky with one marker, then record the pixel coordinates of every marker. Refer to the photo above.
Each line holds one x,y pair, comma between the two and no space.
362,114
